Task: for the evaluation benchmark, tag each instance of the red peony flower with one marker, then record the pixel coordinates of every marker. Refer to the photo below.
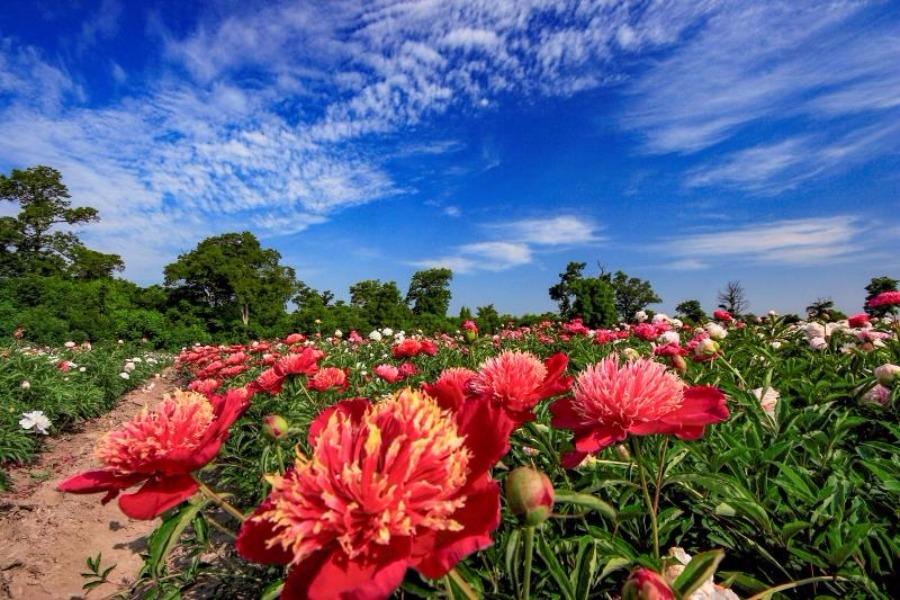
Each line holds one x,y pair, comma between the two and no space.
398,484
644,584
407,348
295,338
407,369
722,315
269,381
645,331
639,397
884,299
329,378
161,448
451,388
304,362
518,381
860,320
204,386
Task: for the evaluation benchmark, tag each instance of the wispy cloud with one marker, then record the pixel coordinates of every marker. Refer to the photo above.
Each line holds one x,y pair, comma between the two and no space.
795,242
517,242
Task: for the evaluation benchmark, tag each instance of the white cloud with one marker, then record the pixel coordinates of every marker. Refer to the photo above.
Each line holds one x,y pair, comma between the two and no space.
788,242
519,241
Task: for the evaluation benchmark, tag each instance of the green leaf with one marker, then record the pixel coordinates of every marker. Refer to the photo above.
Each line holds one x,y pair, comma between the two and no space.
702,567
556,570
166,536
272,591
586,500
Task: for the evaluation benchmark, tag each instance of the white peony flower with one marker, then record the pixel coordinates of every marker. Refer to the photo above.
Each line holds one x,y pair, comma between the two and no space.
338,333
37,420
676,323
768,399
387,331
818,343
640,316
25,385
124,375
82,369
776,344
375,336
69,345
129,367
887,375
669,337
716,331
660,317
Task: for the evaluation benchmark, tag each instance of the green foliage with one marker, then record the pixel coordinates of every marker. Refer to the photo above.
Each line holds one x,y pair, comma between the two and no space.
487,319
226,276
595,302
379,303
562,293
632,294
691,311
429,292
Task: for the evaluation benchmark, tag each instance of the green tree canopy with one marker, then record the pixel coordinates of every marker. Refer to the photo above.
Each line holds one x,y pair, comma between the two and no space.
595,302
232,274
31,242
562,293
429,292
488,319
632,294
691,310
380,304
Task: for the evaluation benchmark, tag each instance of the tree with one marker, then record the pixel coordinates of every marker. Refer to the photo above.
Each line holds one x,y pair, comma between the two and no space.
488,319
820,309
632,294
233,273
876,286
595,301
733,298
429,292
380,304
30,242
691,310
464,315
90,264
562,293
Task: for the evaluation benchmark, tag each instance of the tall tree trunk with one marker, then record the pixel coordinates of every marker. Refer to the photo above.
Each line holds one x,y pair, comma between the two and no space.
245,314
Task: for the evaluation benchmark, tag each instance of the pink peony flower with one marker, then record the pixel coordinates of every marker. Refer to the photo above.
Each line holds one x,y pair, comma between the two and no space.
329,378
639,397
885,299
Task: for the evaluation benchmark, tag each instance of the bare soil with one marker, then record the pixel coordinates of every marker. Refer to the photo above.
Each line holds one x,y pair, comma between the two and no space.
46,536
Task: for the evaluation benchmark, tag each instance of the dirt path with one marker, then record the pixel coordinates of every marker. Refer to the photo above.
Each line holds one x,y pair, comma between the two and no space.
45,536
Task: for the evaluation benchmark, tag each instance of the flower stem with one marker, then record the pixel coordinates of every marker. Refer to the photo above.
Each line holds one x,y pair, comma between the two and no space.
659,474
217,499
529,552
639,459
460,581
793,584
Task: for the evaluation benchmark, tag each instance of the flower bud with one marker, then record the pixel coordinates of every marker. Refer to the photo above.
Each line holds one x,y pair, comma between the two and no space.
887,375
679,364
25,385
275,426
529,495
644,584
631,354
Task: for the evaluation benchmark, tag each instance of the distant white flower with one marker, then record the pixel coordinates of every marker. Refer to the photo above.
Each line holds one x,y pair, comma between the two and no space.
69,345
640,316
36,420
660,317
387,331
776,344
121,342
815,330
375,336
818,343
82,369
773,313
669,337
768,399
676,323
124,375
129,367
887,374
716,331
25,385
338,333
137,359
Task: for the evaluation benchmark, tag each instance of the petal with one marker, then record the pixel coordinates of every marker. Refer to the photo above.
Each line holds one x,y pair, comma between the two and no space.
556,382
100,480
448,395
570,460
703,405
328,575
652,427
157,496
599,438
252,538
564,415
353,407
436,552
487,430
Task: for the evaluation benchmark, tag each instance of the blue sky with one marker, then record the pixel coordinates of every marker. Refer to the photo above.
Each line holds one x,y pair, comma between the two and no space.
688,142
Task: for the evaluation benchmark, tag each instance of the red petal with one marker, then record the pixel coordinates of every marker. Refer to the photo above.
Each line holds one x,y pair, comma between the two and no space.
157,496
487,431
703,405
325,576
556,381
564,415
252,538
448,395
100,480
598,438
354,407
436,552
570,460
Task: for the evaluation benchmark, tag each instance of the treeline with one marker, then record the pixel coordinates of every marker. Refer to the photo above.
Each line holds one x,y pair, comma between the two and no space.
53,288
